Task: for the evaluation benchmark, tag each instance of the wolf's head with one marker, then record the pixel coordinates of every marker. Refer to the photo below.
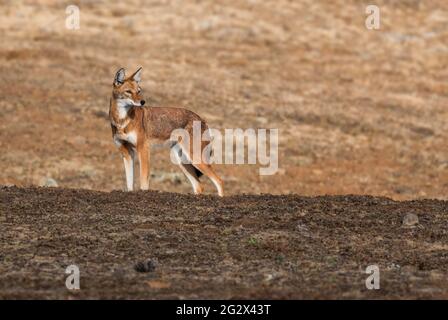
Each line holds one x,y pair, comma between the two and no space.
127,90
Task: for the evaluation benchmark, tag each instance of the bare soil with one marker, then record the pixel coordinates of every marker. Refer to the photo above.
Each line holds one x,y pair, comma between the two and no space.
242,246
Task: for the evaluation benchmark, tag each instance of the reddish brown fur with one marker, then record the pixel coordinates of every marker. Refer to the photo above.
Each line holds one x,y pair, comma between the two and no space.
154,123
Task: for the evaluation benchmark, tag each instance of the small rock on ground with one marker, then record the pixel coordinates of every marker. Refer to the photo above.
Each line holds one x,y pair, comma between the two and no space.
148,265
410,220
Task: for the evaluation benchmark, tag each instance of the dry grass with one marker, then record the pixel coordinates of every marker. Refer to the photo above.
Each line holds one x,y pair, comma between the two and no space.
358,111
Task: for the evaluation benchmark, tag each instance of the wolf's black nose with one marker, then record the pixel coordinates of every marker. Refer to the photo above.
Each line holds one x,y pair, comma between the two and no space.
142,102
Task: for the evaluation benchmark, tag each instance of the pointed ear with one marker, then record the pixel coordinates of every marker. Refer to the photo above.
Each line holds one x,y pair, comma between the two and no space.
137,76
119,77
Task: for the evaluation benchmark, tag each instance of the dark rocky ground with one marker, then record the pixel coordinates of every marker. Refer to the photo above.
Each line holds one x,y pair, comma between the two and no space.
245,246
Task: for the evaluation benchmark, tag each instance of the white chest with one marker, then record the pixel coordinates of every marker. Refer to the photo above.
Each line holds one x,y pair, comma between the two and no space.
130,137
123,106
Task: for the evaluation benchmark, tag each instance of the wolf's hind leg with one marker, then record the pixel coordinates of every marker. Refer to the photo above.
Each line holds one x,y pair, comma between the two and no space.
209,172
190,171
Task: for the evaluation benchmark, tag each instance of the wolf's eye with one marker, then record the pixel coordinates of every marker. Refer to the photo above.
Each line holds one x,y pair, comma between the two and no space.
139,90
128,91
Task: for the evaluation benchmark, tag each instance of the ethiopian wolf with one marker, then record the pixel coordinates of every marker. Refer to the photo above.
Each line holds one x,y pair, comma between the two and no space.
135,126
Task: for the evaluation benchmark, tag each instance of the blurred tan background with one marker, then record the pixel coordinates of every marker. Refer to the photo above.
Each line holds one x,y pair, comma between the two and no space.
358,111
